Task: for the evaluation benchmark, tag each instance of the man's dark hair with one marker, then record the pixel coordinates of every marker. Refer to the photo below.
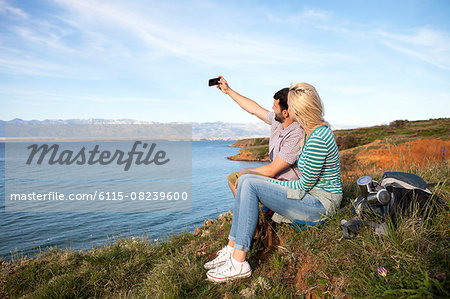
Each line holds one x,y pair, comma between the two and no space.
282,96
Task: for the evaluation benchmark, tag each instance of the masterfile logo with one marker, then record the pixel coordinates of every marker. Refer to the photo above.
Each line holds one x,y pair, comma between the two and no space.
94,156
98,168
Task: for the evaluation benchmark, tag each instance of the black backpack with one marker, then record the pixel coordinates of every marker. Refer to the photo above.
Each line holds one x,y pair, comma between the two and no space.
398,194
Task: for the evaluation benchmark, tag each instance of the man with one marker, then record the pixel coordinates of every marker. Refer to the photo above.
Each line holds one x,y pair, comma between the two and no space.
285,136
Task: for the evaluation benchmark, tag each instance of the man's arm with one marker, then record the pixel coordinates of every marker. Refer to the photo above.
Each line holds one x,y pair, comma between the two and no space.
272,169
245,103
269,170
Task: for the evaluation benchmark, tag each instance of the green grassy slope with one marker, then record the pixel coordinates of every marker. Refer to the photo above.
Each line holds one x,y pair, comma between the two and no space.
396,131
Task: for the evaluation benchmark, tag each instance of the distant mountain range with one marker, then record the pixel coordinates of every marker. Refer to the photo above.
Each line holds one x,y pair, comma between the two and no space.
208,131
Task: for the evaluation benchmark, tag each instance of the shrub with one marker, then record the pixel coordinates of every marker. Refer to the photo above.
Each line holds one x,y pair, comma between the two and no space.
398,123
347,141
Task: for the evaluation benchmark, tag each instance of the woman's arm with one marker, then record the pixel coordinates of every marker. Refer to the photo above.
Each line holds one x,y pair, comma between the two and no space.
314,161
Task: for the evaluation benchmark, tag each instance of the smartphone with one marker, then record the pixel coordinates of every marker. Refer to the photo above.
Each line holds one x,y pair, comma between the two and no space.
214,81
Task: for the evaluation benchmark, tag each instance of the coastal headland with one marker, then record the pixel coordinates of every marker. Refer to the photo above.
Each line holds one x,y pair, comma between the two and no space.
252,149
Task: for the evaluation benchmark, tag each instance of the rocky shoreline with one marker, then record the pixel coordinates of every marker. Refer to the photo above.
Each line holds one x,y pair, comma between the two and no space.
252,149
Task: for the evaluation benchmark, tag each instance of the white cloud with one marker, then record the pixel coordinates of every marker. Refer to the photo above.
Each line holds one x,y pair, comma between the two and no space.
355,89
42,34
425,44
307,15
8,10
29,67
44,96
164,38
99,31
314,14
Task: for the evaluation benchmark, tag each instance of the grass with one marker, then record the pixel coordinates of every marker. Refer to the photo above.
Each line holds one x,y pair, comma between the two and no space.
251,142
259,152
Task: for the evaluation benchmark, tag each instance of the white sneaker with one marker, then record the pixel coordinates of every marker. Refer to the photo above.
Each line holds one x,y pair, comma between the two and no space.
229,271
222,256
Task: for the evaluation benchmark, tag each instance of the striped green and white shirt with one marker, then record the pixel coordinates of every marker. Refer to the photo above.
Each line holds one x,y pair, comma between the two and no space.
319,163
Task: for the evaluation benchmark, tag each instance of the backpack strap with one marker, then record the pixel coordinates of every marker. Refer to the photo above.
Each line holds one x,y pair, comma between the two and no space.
379,228
350,228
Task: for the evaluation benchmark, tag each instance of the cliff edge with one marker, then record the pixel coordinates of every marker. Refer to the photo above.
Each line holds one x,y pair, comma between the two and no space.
253,149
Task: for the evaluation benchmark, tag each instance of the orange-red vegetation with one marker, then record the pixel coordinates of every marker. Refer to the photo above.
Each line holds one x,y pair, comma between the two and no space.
420,152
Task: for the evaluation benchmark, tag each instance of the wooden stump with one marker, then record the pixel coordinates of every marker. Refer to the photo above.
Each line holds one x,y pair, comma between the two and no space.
265,237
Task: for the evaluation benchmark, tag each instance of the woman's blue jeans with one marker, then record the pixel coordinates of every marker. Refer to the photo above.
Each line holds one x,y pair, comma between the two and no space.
254,188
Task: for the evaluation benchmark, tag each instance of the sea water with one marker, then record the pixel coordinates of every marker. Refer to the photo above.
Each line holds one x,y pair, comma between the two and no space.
28,233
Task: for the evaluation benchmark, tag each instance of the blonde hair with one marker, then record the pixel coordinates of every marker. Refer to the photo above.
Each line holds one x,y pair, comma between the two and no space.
306,105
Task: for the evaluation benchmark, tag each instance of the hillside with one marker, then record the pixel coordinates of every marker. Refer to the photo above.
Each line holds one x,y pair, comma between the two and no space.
396,132
400,143
400,137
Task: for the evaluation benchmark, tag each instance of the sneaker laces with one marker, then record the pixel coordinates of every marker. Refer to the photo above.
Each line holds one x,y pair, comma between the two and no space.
226,267
222,251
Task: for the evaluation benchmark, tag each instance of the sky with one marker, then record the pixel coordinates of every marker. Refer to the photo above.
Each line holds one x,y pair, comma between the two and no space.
372,62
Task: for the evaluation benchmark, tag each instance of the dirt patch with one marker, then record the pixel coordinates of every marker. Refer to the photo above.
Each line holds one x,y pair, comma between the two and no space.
302,273
307,271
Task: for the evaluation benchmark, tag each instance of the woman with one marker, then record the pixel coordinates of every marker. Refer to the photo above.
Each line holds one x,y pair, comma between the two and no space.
317,194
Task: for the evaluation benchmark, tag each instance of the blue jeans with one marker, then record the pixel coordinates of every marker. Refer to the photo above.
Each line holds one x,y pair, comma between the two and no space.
254,188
